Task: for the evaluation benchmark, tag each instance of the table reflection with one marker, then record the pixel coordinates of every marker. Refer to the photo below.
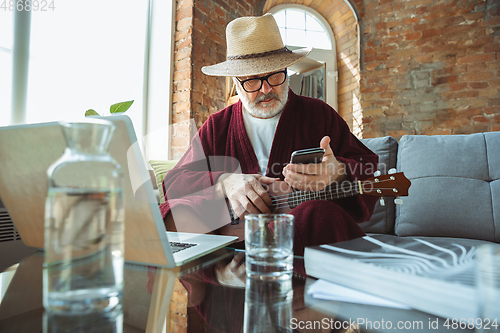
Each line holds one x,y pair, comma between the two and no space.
189,298
109,322
268,305
256,306
219,305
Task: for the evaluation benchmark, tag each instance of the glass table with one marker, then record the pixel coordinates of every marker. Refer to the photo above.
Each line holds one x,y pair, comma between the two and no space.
191,299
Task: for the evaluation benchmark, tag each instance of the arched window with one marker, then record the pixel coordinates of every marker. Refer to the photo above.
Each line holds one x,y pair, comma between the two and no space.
301,26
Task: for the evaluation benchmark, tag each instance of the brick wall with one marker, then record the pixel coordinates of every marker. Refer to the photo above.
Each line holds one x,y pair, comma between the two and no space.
427,66
200,40
430,67
183,77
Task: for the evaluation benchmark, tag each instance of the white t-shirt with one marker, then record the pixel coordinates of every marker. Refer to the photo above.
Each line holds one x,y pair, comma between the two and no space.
261,135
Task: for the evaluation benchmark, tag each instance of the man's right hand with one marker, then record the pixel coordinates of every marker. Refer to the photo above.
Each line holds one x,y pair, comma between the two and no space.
246,193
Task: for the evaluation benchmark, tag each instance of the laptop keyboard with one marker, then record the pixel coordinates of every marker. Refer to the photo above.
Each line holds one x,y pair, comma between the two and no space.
178,246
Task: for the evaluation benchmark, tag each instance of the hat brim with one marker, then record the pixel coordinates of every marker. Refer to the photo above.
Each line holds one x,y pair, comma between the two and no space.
256,66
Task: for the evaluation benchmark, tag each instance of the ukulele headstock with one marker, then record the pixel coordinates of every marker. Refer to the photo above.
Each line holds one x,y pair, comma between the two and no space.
392,185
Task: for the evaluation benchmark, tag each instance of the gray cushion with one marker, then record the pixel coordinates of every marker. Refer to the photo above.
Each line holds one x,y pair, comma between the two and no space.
382,220
455,190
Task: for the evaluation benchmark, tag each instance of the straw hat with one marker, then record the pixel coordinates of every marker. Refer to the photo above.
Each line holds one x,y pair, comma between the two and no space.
254,47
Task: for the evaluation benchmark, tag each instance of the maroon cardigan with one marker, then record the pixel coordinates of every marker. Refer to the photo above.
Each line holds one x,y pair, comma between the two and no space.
222,142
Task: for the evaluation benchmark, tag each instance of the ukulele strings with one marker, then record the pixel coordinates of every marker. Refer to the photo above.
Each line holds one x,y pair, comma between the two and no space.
281,201
310,195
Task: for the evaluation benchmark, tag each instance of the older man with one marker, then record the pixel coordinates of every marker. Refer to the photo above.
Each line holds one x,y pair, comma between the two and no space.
260,132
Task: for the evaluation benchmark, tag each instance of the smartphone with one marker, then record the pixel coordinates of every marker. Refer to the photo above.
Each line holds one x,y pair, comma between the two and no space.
307,156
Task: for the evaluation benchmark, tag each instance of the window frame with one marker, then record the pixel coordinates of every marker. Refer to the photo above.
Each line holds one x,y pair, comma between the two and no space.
157,75
323,56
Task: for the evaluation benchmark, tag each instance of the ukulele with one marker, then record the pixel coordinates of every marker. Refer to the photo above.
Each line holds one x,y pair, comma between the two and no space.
284,198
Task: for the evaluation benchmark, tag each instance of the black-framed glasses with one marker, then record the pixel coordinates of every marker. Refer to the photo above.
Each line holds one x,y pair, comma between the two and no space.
274,79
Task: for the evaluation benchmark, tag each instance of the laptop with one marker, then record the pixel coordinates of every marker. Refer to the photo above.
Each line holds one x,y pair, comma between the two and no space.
27,151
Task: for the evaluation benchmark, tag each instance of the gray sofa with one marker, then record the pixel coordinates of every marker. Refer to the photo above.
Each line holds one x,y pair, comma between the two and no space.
455,186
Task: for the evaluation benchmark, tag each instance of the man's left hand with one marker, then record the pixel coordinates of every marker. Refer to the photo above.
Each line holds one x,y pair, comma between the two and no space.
315,177
232,274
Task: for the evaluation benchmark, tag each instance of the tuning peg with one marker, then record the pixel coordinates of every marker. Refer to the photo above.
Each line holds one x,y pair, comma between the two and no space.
398,201
382,201
391,171
377,173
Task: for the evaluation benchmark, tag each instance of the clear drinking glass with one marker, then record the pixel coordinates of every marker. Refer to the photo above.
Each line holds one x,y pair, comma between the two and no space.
269,245
84,223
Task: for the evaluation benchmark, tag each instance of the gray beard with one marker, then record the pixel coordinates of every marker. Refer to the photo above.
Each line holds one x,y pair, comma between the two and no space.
263,112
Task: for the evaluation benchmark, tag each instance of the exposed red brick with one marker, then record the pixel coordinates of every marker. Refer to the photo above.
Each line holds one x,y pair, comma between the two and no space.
182,75
220,12
413,36
481,119
370,51
392,24
445,79
371,66
481,76
371,89
399,32
421,26
432,33
184,3
476,58
494,83
460,95
381,26
494,101
376,57
460,28
478,85
492,92
184,13
458,86
492,48
424,58
431,16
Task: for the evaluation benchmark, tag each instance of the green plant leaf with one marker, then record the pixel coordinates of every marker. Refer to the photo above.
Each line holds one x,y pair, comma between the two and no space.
120,107
91,112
